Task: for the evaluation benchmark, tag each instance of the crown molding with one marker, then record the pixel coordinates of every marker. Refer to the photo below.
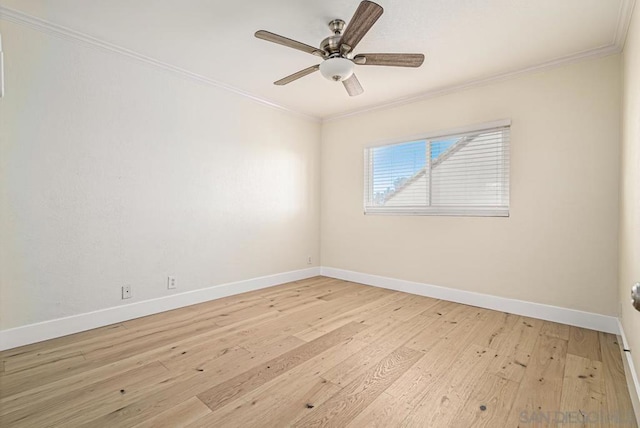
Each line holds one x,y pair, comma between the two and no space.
616,46
569,59
50,28
624,20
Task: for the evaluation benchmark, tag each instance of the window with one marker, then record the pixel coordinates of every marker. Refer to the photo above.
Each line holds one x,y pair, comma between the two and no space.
464,172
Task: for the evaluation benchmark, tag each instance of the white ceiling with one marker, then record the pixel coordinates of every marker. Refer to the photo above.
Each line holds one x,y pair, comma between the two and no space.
463,40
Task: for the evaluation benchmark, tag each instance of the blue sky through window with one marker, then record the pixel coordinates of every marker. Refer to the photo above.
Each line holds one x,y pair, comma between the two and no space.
440,146
393,165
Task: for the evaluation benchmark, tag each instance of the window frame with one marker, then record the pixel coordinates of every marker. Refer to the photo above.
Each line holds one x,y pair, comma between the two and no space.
467,211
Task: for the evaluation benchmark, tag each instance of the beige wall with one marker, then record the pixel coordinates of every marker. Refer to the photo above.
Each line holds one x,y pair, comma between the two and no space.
630,187
137,174
560,245
114,172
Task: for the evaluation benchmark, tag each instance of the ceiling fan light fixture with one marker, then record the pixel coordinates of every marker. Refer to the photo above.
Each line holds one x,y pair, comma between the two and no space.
336,69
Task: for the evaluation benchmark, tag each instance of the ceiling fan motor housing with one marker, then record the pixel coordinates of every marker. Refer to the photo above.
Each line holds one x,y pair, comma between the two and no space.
331,45
335,67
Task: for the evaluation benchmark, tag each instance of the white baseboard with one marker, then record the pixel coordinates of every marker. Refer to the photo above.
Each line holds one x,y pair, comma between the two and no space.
631,374
557,314
607,324
38,332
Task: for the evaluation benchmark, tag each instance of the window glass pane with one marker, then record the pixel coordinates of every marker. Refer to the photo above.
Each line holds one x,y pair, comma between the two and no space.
457,174
396,174
470,172
441,146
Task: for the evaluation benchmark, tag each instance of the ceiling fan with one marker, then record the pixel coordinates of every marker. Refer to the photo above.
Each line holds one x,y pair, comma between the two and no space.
337,50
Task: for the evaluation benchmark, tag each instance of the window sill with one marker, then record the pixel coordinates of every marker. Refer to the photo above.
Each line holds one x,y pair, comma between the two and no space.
447,212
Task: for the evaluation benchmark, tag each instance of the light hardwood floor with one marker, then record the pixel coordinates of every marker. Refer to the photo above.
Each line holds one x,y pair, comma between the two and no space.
319,352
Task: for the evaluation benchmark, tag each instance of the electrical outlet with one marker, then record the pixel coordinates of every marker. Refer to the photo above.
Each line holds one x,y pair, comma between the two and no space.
126,292
309,261
171,282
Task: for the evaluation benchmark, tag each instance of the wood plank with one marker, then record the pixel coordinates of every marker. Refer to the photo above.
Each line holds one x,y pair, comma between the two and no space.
363,313
584,343
15,382
515,352
348,289
497,328
583,399
553,329
424,384
489,403
440,406
451,326
34,397
541,387
178,416
285,399
47,362
386,341
270,411
144,402
413,306
58,408
310,318
405,395
97,370
617,399
170,392
350,401
221,394
156,340
303,292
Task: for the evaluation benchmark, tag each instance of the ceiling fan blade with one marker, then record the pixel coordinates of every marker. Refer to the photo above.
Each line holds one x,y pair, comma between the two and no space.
394,60
353,86
284,41
363,19
296,76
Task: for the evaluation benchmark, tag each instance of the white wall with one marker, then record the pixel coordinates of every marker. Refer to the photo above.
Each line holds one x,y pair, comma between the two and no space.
138,173
559,246
114,172
630,187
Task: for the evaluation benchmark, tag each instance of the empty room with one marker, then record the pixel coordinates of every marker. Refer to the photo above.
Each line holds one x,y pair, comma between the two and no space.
316,213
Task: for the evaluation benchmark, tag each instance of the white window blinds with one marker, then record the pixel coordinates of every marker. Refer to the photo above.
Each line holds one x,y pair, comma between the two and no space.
463,173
